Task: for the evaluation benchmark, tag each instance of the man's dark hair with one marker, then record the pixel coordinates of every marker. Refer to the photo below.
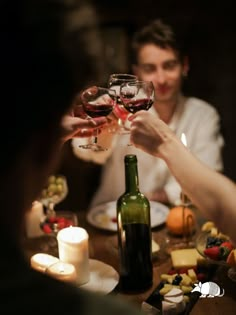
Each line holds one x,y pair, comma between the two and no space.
159,34
49,51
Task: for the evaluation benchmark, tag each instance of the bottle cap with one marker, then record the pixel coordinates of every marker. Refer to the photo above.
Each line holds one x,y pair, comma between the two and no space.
130,158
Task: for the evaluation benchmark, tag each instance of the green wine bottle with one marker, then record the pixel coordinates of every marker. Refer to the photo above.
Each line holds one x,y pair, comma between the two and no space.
134,233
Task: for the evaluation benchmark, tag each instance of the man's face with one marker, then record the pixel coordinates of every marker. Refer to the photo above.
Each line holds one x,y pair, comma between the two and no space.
163,68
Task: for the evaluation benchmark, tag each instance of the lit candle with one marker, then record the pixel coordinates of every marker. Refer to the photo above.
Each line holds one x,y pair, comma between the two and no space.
42,261
184,139
33,219
73,249
62,271
184,198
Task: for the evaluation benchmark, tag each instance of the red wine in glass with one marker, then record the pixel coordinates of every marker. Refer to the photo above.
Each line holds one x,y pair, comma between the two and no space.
121,112
97,102
137,95
98,110
134,106
114,82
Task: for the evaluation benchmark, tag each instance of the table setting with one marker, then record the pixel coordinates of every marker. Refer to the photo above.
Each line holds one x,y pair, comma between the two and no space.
86,252
73,263
103,216
104,267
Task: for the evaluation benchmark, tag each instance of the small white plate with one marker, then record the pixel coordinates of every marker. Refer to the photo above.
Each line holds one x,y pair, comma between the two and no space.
103,216
103,277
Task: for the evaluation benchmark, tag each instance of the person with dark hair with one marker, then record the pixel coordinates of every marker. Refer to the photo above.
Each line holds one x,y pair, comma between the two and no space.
158,55
49,51
212,192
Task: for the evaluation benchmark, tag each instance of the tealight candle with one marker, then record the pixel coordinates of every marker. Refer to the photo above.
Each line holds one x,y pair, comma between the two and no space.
73,249
62,271
42,261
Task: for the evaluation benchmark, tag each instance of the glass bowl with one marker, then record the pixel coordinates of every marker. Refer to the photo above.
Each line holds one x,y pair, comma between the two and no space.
201,242
55,191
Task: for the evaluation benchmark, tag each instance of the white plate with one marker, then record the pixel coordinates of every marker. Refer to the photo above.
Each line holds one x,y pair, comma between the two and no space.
103,277
103,216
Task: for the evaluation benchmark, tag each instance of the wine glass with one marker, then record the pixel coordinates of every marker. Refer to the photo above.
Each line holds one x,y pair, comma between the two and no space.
115,80
55,190
201,244
137,95
97,102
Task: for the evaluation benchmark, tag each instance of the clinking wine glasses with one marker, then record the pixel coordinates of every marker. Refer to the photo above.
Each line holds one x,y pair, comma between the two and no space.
97,102
137,95
115,81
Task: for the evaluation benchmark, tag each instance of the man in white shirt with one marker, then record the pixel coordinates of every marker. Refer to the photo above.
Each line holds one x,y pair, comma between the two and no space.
157,57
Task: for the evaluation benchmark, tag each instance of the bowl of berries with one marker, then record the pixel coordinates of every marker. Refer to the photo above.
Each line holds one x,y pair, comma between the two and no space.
217,248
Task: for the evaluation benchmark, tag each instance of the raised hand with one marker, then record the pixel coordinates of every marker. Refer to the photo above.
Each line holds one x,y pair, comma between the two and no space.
148,132
76,124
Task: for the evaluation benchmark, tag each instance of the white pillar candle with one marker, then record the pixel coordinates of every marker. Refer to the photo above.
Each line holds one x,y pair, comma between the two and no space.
33,219
62,271
42,261
73,249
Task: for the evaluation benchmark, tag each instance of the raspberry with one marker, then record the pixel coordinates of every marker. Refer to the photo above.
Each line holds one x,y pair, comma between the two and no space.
47,229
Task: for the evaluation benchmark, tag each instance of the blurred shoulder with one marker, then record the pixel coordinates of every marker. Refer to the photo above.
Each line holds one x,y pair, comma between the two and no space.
197,105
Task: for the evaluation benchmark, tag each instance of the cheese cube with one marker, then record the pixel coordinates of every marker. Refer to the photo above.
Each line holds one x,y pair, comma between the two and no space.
192,275
186,280
155,247
185,258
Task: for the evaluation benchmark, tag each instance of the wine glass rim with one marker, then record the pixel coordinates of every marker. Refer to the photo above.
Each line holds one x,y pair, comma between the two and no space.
93,90
129,75
121,77
137,82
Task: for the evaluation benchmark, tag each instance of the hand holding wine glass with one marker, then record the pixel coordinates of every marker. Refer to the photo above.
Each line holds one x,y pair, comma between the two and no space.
97,102
75,124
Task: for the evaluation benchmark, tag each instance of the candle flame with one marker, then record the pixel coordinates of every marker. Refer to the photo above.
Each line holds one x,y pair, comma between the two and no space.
184,139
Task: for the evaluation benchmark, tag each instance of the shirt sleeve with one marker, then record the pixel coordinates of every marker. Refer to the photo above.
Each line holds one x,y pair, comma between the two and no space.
201,126
206,141
173,190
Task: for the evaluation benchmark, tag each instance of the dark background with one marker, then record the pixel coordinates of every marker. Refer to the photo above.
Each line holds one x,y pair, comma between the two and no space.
208,28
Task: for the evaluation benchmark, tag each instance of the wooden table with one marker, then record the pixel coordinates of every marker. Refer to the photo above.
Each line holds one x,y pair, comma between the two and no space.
102,248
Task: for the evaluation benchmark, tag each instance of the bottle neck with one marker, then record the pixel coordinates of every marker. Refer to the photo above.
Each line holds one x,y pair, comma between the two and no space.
131,177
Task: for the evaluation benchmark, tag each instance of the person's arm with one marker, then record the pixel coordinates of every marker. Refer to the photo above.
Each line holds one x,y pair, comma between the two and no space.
211,192
201,125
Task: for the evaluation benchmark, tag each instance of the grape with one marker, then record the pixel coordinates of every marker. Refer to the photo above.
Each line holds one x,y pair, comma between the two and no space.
56,187
59,180
59,188
51,179
52,188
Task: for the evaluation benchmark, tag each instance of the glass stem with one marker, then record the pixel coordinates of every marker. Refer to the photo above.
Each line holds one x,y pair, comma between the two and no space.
95,139
50,210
